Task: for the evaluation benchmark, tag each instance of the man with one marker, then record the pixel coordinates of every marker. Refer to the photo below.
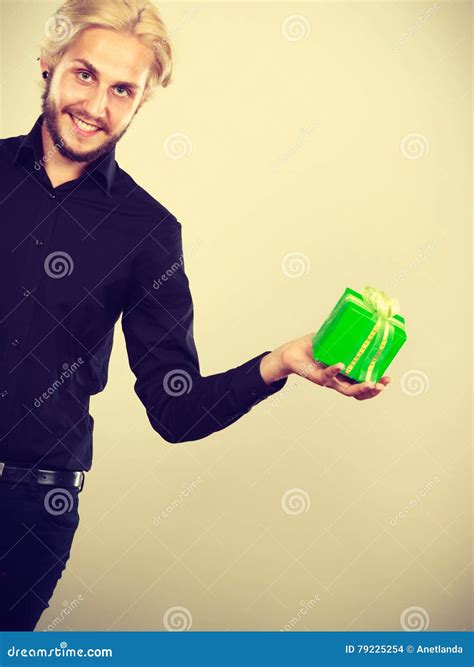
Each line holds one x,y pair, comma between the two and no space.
82,245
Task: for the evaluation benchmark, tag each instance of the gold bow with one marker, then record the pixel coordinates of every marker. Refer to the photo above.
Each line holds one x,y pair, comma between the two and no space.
384,307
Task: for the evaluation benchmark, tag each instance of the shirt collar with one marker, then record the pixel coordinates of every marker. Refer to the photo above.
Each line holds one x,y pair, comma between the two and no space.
32,143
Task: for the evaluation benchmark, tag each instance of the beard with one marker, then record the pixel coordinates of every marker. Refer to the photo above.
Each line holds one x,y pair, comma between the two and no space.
51,119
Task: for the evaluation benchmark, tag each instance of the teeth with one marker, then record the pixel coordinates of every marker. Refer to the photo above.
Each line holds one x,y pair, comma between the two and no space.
84,126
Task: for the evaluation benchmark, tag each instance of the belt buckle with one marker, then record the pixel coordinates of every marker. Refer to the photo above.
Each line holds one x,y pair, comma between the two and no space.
2,465
83,479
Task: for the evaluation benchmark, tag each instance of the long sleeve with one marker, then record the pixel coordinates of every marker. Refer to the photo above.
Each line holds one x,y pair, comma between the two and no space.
157,322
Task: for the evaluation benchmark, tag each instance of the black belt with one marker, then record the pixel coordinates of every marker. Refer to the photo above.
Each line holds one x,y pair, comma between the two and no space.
64,478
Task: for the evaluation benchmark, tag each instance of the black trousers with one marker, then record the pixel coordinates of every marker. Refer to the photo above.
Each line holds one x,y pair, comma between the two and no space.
37,527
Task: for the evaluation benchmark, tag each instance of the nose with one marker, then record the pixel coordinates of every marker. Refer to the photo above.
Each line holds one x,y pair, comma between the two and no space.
96,106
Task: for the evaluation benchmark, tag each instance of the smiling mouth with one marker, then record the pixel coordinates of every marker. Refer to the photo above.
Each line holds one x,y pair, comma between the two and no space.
85,128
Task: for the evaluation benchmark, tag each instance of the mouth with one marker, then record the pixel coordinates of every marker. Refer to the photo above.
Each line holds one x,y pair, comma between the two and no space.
82,128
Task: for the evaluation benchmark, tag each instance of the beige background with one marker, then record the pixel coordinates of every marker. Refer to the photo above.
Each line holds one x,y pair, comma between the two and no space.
299,138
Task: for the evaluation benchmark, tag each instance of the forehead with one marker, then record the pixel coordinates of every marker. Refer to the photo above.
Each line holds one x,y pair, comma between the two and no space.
116,55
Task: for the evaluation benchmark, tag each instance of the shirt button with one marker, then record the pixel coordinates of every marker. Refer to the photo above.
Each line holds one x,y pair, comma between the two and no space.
39,242
26,292
15,342
253,392
4,393
52,195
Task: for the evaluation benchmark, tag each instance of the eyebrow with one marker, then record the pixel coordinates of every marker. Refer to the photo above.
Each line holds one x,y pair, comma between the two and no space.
95,72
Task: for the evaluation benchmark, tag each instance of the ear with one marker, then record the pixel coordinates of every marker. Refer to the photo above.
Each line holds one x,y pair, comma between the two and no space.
43,65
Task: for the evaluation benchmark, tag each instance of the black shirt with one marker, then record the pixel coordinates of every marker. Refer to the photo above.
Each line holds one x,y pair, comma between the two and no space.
73,259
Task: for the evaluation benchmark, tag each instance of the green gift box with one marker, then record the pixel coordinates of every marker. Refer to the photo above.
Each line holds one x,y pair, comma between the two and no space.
364,331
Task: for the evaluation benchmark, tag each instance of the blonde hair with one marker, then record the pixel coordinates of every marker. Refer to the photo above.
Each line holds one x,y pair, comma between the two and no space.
137,17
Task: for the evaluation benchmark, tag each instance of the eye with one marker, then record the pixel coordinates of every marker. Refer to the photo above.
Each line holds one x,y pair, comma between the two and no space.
81,73
126,90
122,91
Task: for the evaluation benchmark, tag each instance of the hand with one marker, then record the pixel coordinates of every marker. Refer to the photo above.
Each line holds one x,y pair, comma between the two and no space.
297,357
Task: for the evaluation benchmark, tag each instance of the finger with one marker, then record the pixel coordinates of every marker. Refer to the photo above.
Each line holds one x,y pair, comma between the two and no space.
371,393
328,375
363,390
379,386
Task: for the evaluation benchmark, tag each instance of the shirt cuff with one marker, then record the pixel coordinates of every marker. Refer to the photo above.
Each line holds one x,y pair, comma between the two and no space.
249,387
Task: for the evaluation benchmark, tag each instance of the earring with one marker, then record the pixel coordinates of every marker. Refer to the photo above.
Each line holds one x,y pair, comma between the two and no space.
45,74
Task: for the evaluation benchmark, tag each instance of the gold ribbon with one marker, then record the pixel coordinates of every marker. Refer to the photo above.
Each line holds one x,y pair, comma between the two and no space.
384,307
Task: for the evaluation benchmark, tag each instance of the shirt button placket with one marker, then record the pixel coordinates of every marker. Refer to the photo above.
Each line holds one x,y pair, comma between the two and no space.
33,270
